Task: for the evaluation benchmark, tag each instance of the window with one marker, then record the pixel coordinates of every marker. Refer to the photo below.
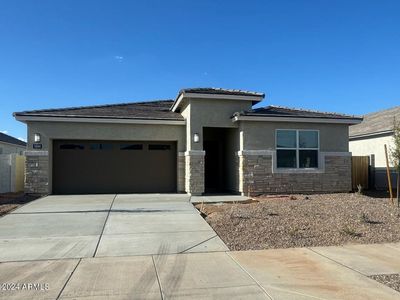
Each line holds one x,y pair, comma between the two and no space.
101,146
297,148
131,147
159,147
71,147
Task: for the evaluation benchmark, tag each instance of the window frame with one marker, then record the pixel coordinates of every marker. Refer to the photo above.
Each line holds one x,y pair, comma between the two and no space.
297,149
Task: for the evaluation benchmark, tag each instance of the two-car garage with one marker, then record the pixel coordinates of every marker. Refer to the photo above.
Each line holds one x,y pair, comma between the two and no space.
88,166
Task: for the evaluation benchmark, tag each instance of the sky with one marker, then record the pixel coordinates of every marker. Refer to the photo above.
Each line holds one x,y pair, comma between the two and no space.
328,55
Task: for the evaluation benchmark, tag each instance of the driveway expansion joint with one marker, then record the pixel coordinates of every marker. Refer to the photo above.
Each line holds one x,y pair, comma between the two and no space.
158,278
68,279
198,244
104,226
248,274
343,265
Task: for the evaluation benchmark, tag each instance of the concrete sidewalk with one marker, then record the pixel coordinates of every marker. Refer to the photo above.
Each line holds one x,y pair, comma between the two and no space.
300,273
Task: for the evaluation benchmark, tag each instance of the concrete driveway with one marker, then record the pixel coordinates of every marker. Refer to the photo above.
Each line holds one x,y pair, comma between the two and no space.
78,226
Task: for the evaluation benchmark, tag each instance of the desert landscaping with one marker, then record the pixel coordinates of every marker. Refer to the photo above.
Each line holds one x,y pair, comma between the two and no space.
285,221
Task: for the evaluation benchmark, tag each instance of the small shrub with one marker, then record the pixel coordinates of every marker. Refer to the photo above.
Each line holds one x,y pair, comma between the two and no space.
350,232
294,232
359,189
364,218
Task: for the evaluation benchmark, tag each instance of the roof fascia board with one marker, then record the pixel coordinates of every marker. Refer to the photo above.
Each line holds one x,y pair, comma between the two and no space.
372,134
25,119
295,119
215,96
12,144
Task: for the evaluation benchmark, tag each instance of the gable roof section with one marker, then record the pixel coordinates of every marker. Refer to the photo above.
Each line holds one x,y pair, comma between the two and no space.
5,138
216,93
285,113
151,110
377,123
219,91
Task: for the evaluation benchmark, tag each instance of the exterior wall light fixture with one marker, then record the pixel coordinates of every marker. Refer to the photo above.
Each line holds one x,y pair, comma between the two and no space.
196,138
37,138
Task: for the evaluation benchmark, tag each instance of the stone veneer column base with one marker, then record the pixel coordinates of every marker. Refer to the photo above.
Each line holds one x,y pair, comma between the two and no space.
194,172
256,175
181,172
37,172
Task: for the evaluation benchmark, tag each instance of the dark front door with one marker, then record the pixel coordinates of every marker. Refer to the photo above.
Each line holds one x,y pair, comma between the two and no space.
81,167
213,166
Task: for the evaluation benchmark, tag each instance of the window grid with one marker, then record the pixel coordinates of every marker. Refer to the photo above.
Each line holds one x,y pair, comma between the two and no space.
297,149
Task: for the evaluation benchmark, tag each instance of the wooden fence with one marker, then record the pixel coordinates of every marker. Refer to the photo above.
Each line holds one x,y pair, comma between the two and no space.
360,171
12,173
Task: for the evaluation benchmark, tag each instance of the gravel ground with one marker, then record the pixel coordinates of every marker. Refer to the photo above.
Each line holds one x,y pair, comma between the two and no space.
11,201
304,221
391,280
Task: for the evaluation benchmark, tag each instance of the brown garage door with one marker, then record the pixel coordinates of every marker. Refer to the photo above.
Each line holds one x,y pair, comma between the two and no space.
113,167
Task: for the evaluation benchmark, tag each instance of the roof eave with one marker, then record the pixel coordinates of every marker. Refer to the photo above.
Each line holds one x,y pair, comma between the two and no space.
98,119
299,119
370,134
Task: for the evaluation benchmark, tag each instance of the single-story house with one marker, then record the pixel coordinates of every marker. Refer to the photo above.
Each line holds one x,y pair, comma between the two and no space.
368,139
207,140
10,145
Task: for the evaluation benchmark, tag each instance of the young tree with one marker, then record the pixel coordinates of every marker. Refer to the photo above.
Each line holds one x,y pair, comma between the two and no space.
395,154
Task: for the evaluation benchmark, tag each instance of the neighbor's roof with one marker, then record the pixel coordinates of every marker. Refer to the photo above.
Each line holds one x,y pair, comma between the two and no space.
280,111
11,140
380,122
219,91
151,110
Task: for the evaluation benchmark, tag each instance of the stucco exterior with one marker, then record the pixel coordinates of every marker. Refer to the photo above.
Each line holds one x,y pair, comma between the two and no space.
261,135
40,162
247,148
373,145
6,148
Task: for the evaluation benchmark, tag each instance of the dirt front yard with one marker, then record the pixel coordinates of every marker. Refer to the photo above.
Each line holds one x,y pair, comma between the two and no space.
305,220
11,201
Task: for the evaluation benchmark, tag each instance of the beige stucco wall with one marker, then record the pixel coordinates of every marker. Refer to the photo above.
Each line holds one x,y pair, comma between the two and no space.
9,148
375,145
210,113
98,131
102,131
261,135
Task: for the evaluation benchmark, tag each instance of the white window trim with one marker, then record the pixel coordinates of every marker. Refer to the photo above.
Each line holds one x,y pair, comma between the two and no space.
297,149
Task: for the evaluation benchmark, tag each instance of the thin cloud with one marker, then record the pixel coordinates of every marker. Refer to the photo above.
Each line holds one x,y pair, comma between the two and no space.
22,139
4,131
119,58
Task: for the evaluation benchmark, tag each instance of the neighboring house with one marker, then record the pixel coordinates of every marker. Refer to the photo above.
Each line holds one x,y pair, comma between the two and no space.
207,140
10,145
11,164
368,139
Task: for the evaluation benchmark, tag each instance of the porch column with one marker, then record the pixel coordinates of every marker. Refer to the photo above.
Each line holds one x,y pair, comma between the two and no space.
194,172
37,172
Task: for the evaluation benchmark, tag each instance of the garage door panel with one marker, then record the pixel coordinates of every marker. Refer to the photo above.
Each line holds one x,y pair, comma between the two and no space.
113,167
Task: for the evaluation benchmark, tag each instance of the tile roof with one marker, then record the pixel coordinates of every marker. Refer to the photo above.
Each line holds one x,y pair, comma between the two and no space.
280,111
376,123
159,110
220,91
11,140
